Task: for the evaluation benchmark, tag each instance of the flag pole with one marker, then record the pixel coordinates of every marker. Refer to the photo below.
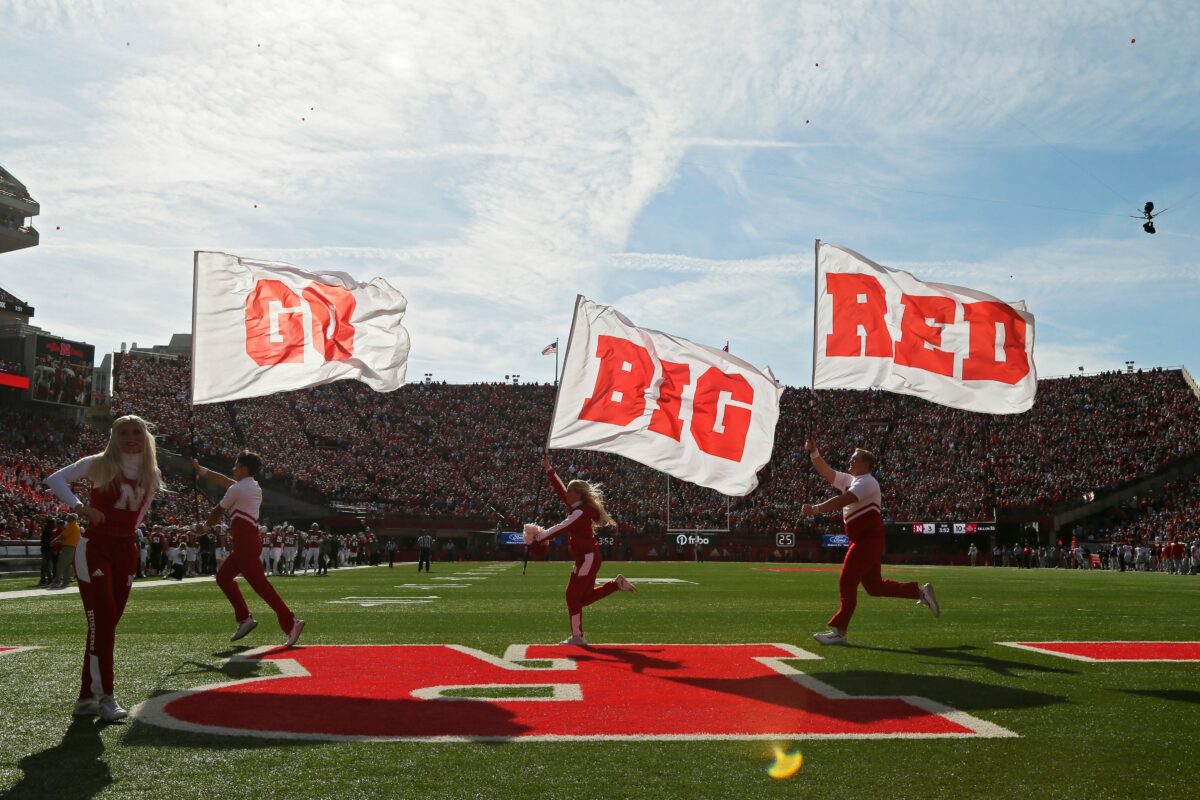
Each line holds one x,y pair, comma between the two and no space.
556,361
812,385
195,475
192,400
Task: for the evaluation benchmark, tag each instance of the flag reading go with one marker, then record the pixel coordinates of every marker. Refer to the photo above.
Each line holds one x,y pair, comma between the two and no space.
875,327
692,411
264,326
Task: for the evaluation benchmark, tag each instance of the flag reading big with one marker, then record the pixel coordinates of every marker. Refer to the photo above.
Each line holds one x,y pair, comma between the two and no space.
264,326
875,327
692,411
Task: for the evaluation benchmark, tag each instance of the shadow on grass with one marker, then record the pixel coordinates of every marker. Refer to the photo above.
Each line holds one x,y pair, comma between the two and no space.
72,768
972,656
1175,695
247,721
959,693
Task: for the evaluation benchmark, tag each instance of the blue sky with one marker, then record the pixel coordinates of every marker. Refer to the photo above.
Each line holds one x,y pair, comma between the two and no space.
674,160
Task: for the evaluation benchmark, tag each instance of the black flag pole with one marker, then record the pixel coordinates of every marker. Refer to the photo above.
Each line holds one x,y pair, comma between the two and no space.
195,474
192,399
812,384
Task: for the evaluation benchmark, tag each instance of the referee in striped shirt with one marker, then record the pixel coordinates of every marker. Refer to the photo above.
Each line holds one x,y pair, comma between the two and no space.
425,542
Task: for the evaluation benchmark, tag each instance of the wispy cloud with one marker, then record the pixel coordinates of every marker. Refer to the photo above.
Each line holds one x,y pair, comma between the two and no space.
492,161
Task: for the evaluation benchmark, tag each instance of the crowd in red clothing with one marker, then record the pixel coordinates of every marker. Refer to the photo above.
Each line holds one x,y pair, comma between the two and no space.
1169,514
32,446
440,450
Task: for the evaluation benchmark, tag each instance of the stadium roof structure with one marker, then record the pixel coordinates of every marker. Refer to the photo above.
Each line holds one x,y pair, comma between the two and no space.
14,305
16,207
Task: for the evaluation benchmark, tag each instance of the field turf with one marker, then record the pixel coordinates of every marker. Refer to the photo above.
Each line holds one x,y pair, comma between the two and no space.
1085,730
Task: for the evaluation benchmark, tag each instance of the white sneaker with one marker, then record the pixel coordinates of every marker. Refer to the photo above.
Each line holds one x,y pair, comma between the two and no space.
109,710
623,584
831,637
294,636
85,707
579,640
928,599
244,627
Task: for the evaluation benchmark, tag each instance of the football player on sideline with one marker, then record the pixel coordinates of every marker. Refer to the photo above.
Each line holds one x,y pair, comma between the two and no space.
242,500
859,503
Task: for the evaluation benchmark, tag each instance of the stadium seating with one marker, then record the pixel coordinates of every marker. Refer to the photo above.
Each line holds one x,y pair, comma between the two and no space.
437,449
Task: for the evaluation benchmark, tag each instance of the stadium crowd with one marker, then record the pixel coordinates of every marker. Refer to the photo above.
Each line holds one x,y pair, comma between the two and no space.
438,450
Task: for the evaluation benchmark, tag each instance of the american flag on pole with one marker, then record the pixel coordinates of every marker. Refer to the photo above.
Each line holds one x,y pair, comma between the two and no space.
550,349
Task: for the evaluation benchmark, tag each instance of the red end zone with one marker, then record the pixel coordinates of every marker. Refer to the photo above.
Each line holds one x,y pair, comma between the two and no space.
449,693
1114,651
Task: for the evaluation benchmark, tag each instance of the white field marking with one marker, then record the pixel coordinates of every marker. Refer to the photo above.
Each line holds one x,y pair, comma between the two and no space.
153,712
453,579
559,692
368,602
12,650
145,583
1090,660
429,586
658,581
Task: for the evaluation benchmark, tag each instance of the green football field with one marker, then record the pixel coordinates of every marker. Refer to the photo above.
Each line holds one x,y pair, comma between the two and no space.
1079,729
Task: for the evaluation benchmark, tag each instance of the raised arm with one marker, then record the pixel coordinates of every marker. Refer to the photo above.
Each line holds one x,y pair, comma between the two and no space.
224,481
824,470
559,487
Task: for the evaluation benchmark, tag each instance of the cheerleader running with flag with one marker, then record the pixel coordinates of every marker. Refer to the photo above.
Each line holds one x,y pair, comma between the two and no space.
243,498
586,504
859,502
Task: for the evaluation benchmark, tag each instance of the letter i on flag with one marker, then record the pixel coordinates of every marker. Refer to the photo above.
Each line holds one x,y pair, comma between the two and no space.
260,327
692,411
882,328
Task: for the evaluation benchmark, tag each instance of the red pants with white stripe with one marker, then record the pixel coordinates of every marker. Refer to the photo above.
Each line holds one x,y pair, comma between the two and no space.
862,566
246,559
105,567
582,591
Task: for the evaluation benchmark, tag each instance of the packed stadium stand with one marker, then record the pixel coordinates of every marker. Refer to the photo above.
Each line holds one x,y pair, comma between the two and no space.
433,450
437,449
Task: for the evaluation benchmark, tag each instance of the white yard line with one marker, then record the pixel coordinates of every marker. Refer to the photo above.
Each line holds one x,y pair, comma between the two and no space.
145,583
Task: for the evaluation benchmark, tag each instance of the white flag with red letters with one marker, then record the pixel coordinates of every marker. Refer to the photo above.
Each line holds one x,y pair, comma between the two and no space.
692,411
264,326
876,327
